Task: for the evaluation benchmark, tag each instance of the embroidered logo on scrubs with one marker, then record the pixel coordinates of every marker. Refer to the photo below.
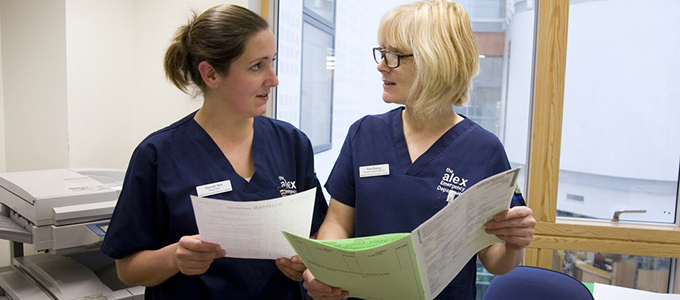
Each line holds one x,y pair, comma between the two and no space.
287,187
452,183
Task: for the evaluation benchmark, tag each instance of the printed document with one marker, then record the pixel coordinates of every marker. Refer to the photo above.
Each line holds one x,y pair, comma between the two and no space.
416,265
252,229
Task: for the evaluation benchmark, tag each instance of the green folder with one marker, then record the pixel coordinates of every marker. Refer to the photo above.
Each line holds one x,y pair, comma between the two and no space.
415,265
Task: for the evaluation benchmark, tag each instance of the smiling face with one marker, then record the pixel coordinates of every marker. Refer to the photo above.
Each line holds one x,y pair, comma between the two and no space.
247,86
397,82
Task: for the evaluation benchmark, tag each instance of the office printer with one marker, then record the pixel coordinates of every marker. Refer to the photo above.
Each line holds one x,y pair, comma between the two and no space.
64,214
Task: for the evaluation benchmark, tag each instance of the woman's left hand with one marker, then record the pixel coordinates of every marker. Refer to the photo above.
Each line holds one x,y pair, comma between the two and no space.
515,226
292,268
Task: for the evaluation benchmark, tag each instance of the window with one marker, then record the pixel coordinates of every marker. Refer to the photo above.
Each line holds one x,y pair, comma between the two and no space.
323,10
626,238
318,63
500,99
621,131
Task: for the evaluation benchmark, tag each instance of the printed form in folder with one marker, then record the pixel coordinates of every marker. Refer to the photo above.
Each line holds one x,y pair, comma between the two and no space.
416,265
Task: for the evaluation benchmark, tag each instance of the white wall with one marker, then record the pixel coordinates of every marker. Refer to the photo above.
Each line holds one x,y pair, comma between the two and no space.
34,84
288,61
83,80
87,80
118,93
101,80
160,103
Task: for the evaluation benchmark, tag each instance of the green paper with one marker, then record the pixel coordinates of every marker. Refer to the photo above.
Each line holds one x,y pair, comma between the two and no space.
364,242
375,267
590,286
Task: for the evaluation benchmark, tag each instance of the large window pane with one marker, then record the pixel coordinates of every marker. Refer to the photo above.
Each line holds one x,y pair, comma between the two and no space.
621,130
317,81
500,100
501,94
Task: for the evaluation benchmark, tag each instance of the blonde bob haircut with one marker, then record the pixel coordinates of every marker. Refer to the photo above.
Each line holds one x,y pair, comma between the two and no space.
439,35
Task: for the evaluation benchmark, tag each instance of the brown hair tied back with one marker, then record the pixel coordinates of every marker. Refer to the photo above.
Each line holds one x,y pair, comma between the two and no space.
218,36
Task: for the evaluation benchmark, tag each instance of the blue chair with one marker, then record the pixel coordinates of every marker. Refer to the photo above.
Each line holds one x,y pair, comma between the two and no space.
528,283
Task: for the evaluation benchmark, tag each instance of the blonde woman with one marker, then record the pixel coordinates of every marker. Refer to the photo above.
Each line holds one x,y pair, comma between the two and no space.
427,57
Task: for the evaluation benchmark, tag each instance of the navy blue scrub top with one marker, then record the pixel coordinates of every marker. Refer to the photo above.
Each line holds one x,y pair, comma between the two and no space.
413,191
154,208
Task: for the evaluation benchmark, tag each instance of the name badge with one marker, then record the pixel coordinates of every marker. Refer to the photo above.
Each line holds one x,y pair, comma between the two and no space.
213,188
375,170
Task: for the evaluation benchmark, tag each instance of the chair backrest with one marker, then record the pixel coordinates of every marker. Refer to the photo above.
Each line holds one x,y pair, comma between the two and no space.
528,283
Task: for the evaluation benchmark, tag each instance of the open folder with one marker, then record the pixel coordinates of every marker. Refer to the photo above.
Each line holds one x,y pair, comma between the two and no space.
415,265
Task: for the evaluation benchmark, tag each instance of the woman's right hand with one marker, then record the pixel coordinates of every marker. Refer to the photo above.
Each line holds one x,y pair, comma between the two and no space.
320,291
193,256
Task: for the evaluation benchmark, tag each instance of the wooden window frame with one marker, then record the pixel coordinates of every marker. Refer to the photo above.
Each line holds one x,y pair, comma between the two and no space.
544,158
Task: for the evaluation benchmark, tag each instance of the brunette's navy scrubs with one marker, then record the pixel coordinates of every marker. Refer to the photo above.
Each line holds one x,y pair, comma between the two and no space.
155,210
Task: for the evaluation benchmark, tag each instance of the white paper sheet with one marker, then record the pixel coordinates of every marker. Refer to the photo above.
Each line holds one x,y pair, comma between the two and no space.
449,238
252,229
610,292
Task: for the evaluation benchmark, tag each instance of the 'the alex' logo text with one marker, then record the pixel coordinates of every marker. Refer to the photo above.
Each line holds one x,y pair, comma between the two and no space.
452,182
287,187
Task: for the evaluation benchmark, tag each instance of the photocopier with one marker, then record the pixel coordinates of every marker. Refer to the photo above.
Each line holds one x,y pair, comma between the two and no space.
64,214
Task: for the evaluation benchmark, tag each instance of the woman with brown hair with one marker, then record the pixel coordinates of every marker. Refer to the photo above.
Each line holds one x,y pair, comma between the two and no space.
226,54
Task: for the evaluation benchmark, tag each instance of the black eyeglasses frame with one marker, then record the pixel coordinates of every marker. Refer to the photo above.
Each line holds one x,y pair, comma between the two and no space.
382,56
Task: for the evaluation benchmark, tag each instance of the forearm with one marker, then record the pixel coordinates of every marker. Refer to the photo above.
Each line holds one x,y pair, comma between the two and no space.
499,259
148,267
339,222
332,231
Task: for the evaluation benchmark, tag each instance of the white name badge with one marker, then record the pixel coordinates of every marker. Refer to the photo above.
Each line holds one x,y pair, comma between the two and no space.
375,170
213,188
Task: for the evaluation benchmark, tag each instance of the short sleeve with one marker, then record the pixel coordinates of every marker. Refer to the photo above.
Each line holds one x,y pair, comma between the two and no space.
340,184
136,223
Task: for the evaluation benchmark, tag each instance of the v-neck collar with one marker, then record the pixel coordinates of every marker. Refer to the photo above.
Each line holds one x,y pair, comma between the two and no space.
423,162
217,156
